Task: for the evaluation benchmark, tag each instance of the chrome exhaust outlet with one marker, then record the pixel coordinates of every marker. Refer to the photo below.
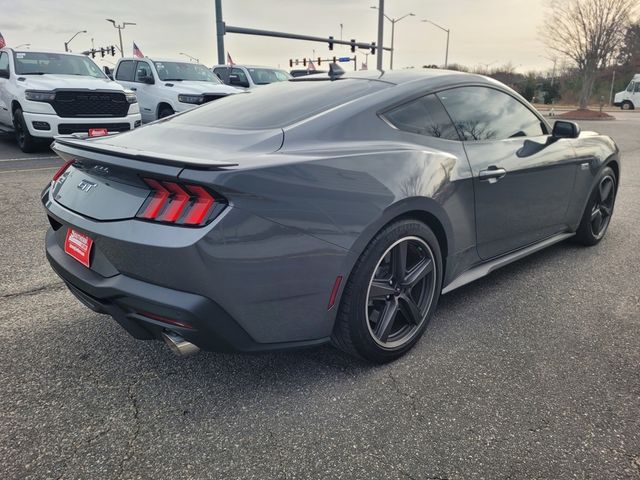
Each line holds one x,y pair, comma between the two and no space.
179,345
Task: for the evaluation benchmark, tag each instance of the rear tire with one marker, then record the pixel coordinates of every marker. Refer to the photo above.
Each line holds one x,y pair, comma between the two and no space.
388,302
26,142
597,214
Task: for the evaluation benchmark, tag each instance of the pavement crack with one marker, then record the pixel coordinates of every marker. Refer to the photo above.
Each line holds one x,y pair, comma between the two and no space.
34,291
133,399
408,395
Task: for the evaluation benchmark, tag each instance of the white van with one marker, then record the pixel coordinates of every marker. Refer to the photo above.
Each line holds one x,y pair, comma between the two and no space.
165,87
630,98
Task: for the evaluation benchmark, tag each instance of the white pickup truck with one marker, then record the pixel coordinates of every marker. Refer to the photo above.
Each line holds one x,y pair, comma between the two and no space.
629,98
43,94
165,87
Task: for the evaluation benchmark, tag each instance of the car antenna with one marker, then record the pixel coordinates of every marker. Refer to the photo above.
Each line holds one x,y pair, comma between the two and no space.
335,71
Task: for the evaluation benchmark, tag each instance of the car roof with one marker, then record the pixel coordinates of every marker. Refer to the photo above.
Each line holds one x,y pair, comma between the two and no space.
249,66
157,59
7,49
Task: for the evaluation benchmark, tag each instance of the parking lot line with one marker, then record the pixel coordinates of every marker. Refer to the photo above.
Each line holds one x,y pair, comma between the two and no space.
27,158
29,170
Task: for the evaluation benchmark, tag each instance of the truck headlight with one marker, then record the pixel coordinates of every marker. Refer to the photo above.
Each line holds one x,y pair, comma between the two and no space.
131,97
185,98
39,95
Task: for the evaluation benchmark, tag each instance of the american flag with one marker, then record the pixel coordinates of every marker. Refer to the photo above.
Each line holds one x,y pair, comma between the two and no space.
364,66
229,60
311,67
2,42
136,51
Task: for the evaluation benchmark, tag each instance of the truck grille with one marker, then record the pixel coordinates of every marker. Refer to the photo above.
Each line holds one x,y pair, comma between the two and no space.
68,128
90,104
209,97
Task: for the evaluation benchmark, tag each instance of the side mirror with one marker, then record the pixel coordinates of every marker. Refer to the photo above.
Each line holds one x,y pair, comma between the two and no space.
4,73
564,129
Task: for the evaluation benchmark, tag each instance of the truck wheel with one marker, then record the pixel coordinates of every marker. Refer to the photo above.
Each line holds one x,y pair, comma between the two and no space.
627,105
26,142
165,111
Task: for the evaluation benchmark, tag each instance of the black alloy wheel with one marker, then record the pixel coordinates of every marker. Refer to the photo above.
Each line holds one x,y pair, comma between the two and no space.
400,292
602,206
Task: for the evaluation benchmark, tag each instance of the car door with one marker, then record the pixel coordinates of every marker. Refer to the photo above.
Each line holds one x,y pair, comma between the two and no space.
124,76
523,177
635,95
145,87
5,102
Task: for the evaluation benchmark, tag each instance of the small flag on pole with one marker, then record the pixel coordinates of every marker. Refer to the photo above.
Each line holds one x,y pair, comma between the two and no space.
229,60
312,67
364,66
2,42
136,51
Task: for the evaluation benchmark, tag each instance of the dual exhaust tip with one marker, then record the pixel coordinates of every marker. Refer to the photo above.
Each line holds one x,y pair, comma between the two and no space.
179,345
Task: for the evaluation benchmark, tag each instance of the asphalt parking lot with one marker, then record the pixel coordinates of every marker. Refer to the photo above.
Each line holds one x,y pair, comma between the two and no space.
532,372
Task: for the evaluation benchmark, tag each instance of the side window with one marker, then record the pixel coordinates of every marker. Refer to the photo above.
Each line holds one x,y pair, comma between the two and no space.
125,71
482,113
630,87
637,88
143,71
4,63
425,116
221,72
238,77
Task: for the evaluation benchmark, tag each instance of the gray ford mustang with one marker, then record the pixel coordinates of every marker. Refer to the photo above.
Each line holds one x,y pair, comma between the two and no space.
323,209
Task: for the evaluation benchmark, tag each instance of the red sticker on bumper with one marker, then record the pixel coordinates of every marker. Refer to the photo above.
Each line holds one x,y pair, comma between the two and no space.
78,246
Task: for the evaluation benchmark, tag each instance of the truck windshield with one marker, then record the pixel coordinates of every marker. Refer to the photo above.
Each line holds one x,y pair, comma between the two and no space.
264,76
40,63
177,71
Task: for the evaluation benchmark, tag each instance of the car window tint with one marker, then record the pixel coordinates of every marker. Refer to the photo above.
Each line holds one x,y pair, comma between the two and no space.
278,104
4,61
630,87
482,113
637,88
425,116
125,71
142,70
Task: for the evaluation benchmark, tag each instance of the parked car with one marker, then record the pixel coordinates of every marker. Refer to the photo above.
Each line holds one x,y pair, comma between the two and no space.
629,98
165,87
249,76
43,94
317,211
295,73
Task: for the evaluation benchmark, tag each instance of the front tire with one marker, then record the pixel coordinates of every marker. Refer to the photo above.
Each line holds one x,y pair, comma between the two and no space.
165,111
597,214
627,105
391,294
26,142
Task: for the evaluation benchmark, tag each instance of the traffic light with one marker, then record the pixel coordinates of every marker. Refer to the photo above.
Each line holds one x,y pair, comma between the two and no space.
102,52
304,61
334,59
93,53
373,48
113,51
319,60
331,43
290,63
353,45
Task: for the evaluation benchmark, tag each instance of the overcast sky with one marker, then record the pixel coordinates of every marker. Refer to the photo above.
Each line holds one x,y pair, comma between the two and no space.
482,31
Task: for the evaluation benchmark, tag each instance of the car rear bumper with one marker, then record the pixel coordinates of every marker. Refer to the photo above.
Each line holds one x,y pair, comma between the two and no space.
142,308
48,125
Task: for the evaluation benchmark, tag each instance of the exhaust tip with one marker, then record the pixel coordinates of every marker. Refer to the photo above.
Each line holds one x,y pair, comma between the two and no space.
179,345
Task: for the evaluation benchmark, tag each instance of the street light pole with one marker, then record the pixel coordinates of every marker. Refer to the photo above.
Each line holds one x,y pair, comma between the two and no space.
66,44
120,28
190,57
393,30
380,33
446,55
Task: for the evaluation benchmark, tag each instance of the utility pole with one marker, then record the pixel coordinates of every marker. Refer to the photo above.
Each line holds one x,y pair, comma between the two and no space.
120,28
380,34
220,32
613,80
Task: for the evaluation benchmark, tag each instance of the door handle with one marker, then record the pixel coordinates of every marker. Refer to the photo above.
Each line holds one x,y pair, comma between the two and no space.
491,174
133,88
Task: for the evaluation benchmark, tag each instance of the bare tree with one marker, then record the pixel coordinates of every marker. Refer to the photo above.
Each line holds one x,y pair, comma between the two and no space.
589,32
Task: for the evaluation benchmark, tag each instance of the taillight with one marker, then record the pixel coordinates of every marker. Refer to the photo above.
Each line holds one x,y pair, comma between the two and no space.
62,169
180,204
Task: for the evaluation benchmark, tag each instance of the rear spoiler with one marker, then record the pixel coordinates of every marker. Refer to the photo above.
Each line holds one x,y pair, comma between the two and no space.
71,145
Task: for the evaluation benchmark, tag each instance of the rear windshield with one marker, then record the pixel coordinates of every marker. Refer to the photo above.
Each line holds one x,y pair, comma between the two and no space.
278,104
